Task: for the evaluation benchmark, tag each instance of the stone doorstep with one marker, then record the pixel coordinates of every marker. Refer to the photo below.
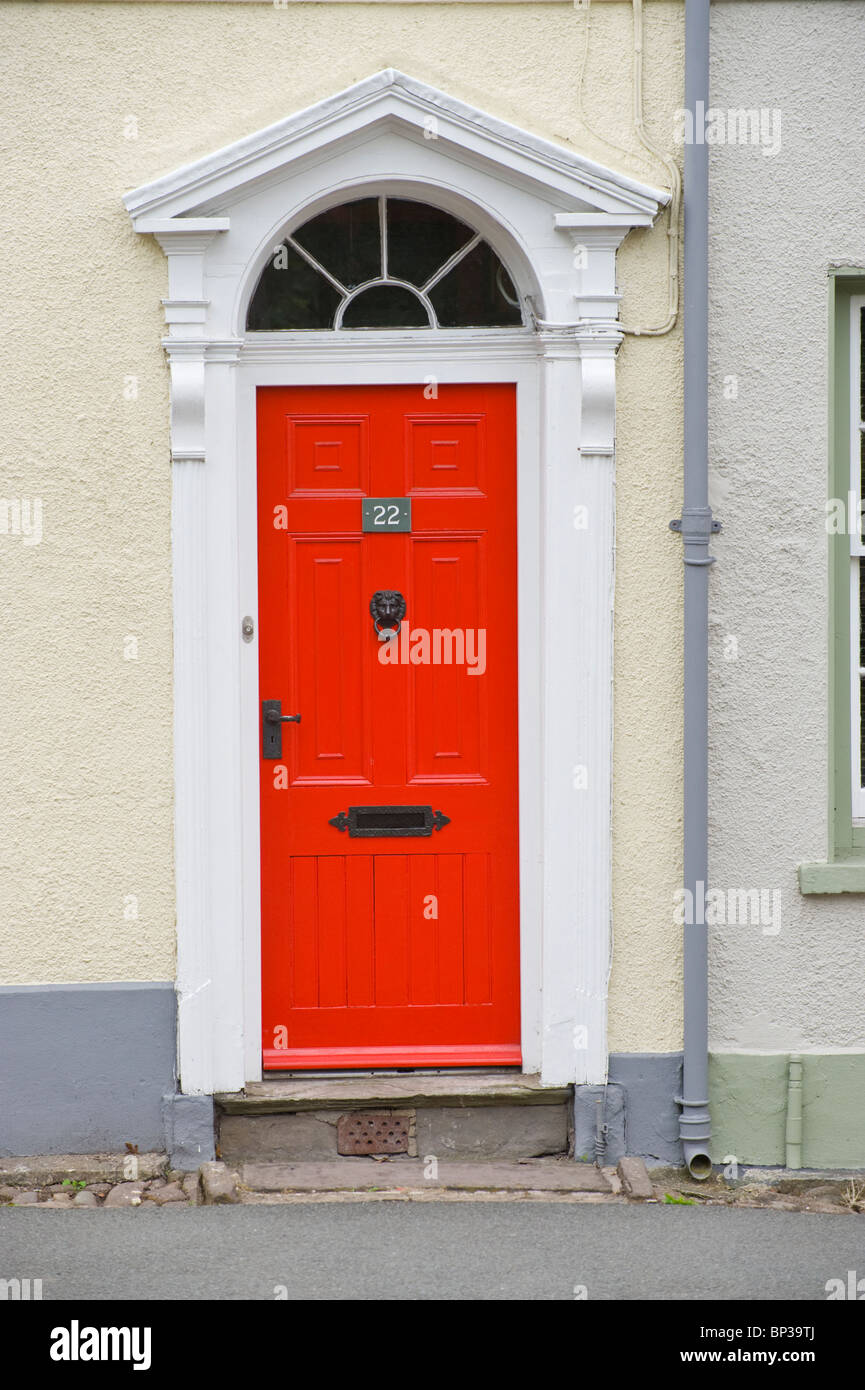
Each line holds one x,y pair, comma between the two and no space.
375,1092
503,1133
41,1170
365,1174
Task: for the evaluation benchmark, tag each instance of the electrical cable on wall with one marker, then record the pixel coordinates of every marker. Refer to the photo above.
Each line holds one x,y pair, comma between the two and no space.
669,164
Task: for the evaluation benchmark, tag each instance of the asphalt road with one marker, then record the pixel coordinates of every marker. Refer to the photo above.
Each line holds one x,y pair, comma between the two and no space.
432,1250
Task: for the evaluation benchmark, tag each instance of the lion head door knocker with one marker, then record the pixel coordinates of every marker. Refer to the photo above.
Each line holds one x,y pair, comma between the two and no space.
388,608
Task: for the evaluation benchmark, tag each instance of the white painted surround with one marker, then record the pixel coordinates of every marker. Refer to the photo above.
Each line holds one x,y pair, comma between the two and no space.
556,220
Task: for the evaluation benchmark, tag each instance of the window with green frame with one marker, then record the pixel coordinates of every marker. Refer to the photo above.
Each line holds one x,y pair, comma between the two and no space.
844,869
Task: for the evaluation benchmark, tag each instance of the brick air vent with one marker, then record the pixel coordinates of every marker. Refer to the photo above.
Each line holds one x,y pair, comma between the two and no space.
363,1133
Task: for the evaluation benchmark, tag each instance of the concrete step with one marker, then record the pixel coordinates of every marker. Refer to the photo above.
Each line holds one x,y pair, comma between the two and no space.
41,1170
479,1116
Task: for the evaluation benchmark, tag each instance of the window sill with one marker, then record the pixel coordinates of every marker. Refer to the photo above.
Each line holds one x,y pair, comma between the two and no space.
840,877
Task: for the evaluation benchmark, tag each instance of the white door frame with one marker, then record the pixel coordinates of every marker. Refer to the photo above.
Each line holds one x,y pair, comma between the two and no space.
556,220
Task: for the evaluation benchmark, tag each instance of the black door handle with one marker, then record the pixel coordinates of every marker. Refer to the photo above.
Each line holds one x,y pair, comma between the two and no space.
272,720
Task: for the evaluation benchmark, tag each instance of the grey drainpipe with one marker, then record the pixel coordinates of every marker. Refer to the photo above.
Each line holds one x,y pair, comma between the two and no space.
696,527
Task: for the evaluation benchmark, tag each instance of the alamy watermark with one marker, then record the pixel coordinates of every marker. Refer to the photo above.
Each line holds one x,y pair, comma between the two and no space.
852,1288
743,907
438,646
20,1290
845,517
77,1343
21,516
758,126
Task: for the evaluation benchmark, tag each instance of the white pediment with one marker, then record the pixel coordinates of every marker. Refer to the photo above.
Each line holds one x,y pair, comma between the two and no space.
390,101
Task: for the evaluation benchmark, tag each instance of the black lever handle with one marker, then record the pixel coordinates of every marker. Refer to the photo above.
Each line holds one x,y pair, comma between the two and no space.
272,720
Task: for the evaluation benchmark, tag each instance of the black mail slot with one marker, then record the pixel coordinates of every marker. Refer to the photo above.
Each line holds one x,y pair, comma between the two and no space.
383,822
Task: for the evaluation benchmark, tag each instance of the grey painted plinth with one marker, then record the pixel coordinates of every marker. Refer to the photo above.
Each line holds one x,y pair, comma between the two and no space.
85,1067
594,1106
189,1133
650,1082
638,1106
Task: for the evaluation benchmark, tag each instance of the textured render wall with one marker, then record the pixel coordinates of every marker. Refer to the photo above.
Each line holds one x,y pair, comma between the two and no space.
777,222
87,815
645,1003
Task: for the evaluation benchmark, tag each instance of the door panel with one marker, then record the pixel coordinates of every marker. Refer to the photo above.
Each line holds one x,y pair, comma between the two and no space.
389,950
444,454
448,705
329,658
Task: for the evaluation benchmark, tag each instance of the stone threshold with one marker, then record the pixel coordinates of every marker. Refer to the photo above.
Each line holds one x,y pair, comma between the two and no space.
371,1091
369,1175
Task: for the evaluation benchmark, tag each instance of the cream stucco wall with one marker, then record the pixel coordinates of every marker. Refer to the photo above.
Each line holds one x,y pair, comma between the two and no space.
101,99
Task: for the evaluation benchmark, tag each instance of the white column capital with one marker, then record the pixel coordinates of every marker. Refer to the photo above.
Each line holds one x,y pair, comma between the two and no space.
185,242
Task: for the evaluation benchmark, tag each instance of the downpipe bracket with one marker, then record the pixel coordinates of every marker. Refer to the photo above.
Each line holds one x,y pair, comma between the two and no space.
696,526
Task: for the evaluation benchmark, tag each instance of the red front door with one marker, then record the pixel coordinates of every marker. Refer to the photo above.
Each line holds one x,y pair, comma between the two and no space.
390,935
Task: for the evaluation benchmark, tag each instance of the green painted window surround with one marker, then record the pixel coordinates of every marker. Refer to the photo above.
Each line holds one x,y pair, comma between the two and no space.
844,870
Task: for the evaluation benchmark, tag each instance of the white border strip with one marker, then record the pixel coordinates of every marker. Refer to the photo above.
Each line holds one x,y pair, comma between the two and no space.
857,553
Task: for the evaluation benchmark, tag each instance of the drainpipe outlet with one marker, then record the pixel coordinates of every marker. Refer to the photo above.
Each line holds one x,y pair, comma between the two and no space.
697,1161
695,1130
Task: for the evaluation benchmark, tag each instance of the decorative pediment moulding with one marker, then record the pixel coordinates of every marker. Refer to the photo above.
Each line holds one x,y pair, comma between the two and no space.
390,98
554,217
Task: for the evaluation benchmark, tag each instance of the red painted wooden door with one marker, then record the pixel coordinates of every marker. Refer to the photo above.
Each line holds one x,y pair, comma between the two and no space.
382,950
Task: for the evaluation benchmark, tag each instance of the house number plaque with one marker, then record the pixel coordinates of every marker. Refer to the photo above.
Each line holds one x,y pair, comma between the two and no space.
386,514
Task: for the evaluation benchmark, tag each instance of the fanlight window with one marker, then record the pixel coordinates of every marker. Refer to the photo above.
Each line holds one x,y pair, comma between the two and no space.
383,263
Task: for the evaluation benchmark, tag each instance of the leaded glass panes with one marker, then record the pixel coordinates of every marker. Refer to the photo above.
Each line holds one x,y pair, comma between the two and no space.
385,306
291,292
383,263
346,242
477,291
421,239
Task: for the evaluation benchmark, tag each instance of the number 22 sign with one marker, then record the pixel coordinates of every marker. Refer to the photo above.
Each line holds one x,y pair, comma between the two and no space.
386,514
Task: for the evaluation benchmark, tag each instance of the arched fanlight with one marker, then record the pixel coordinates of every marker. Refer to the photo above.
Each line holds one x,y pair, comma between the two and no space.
383,263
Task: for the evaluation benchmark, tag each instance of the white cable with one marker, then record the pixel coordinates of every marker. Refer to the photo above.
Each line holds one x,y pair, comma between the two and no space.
670,165
676,188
